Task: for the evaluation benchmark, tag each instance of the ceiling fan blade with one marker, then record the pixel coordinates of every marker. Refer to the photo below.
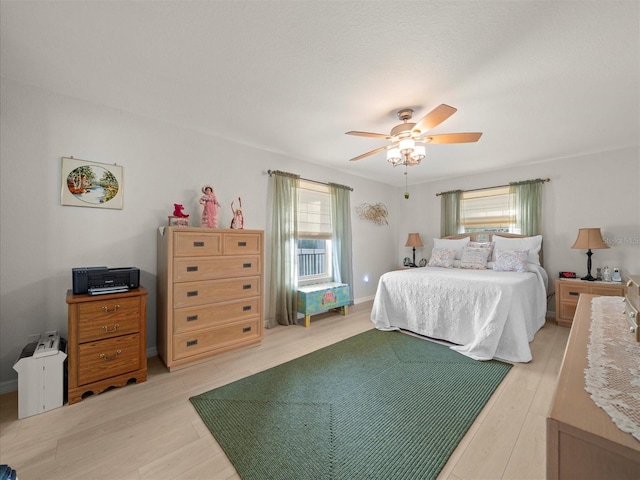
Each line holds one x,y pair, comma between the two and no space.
454,137
372,152
434,118
369,134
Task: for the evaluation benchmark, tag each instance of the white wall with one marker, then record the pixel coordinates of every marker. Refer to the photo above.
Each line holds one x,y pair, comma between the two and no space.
596,190
163,164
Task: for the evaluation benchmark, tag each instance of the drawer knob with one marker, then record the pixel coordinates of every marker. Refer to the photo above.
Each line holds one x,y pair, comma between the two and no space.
192,269
246,265
114,309
114,329
242,244
193,293
246,329
107,357
575,294
191,343
246,287
192,318
629,283
198,244
246,308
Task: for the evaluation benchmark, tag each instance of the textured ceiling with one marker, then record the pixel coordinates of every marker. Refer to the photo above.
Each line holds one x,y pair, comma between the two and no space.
542,80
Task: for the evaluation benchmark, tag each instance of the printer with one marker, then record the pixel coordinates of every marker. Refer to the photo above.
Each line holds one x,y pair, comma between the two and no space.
103,280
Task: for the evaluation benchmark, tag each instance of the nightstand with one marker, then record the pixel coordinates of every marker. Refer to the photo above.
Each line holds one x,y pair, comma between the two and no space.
568,291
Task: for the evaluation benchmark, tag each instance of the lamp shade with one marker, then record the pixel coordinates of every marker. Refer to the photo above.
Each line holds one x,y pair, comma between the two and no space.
414,240
589,238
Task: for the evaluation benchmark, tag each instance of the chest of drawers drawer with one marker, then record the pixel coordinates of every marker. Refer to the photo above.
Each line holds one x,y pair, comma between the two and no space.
194,318
568,293
193,343
200,293
196,268
197,244
108,358
108,318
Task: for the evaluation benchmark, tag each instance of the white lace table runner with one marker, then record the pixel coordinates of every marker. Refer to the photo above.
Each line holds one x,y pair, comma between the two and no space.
613,375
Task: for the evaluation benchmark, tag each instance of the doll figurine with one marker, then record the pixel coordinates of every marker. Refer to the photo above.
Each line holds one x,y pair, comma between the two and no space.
238,220
178,211
210,207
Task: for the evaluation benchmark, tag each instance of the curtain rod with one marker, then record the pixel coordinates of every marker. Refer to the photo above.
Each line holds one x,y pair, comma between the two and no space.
272,172
543,180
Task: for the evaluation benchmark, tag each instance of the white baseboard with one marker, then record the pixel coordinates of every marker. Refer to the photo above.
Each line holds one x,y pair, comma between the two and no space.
363,299
8,386
551,314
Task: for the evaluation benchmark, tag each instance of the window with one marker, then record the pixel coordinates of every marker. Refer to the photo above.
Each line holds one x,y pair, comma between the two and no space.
490,209
314,233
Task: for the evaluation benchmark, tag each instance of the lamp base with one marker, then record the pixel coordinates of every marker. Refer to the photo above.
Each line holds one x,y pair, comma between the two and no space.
589,278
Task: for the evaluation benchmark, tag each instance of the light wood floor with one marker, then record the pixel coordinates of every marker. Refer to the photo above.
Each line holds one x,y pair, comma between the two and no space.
151,431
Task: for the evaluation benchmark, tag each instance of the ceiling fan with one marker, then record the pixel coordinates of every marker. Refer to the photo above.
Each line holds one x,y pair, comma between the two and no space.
408,139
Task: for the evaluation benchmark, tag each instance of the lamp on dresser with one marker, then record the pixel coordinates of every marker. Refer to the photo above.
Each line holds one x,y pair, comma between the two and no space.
589,238
414,240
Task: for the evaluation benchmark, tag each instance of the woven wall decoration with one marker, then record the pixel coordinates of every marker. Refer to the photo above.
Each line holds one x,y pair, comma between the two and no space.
374,213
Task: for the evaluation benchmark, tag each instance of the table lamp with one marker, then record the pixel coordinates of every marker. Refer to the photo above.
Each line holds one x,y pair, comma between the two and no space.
414,240
589,238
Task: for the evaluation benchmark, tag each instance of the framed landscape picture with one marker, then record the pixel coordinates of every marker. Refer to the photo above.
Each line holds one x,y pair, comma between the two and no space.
91,184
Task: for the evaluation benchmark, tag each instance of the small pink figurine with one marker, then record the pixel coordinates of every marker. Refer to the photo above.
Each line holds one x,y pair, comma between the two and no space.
177,211
210,207
238,220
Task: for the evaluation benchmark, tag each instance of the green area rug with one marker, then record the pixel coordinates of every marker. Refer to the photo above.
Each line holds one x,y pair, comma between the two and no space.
380,405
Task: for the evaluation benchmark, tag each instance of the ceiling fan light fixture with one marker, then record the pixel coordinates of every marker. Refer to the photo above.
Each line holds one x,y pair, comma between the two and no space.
419,152
393,156
407,145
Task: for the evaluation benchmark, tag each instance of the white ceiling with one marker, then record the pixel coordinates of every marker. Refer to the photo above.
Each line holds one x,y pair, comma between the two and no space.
542,80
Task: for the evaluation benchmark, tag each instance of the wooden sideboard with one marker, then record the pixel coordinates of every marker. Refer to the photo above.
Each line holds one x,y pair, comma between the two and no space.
582,440
568,290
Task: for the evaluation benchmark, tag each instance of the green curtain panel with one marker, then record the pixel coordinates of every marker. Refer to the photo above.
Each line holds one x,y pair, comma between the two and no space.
527,198
341,238
284,232
450,212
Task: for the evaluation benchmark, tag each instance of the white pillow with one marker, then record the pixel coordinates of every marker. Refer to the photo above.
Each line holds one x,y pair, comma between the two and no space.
441,257
531,244
511,261
452,244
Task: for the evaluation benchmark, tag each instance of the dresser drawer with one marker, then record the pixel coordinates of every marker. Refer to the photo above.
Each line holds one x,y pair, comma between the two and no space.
193,269
238,244
201,341
195,244
194,318
571,292
108,358
108,318
608,290
191,294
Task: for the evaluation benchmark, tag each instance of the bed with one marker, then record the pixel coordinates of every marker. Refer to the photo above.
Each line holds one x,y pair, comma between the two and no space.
484,313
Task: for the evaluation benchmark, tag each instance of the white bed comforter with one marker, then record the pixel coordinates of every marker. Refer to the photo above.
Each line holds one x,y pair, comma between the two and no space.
487,314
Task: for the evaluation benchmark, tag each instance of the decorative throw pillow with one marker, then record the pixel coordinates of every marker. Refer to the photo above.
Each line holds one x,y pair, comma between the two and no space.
456,244
511,261
475,258
442,257
487,245
531,244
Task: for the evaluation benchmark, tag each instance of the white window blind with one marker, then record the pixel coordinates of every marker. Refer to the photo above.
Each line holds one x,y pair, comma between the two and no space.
314,211
487,209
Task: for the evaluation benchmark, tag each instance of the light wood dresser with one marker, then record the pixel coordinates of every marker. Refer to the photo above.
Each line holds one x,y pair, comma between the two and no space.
568,291
210,292
107,341
582,440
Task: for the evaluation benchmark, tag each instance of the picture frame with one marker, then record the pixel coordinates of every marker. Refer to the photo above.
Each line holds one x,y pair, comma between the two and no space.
85,183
